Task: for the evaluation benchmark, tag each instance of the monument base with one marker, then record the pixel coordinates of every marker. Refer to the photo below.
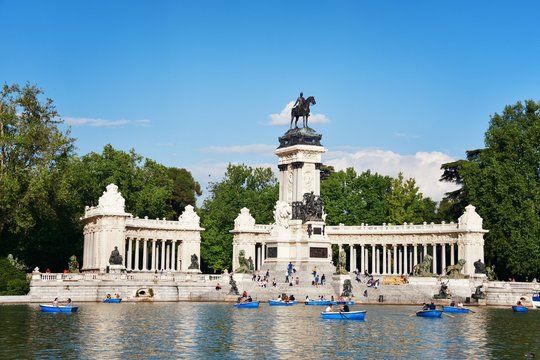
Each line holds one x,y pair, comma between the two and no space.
116,269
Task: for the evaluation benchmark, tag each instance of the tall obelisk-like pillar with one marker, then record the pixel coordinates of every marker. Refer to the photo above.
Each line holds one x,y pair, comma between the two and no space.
300,237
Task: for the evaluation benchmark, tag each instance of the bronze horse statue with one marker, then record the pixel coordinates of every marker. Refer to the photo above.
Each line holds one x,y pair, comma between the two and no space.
303,111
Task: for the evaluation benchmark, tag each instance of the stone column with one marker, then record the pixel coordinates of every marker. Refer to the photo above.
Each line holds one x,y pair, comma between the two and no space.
400,261
384,260
166,255
452,259
373,268
351,254
136,264
434,247
415,255
129,254
443,258
405,256
362,259
162,265
395,259
378,260
145,255
153,265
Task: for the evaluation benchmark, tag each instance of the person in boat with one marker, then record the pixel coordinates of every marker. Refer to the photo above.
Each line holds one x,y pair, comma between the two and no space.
249,299
519,303
432,306
55,302
279,297
292,298
332,298
69,303
345,308
460,305
329,308
425,306
244,294
108,297
116,295
453,303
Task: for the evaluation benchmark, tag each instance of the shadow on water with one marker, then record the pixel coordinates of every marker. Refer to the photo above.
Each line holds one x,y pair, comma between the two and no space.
208,330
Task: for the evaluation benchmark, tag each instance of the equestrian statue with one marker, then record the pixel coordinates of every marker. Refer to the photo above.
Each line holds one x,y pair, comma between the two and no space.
301,109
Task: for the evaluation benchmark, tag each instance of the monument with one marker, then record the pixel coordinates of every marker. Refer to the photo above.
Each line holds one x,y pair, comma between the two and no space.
298,231
300,234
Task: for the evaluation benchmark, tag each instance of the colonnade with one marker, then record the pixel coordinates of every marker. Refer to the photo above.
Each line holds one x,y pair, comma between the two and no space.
399,259
153,254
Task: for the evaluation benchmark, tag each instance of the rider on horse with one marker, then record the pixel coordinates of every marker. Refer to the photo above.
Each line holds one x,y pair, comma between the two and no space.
300,102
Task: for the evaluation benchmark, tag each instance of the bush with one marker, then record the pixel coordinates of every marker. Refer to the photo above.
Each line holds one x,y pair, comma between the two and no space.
12,280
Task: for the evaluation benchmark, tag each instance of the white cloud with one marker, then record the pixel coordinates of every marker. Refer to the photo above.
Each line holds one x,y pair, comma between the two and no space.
104,123
284,117
264,149
424,167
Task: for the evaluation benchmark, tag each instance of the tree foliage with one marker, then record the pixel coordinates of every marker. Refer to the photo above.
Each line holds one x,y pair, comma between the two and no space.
368,198
44,187
503,182
242,186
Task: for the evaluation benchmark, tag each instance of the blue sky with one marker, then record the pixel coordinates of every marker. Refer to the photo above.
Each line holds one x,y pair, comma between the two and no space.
400,85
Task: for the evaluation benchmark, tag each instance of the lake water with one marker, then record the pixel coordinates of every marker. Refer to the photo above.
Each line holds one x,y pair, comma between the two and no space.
210,330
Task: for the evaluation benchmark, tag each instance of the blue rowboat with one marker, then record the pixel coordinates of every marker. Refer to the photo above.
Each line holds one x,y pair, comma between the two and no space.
455,309
536,300
520,309
350,302
59,308
282,303
112,301
430,313
253,304
351,315
320,303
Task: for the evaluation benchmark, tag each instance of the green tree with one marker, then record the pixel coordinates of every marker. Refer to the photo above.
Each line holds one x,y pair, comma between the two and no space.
353,199
407,204
145,184
185,189
33,155
242,186
503,182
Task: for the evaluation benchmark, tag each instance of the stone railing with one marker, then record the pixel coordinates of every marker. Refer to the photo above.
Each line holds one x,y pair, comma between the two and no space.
389,228
128,277
161,224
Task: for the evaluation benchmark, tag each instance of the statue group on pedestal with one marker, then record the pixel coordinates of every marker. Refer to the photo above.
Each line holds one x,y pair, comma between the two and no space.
311,209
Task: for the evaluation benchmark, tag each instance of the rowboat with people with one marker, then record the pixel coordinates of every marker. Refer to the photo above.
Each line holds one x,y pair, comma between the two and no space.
319,302
342,315
455,309
536,300
112,301
282,303
348,302
57,308
434,313
247,304
519,309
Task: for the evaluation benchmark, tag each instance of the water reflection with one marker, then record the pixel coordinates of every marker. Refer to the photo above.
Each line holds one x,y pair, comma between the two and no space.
206,330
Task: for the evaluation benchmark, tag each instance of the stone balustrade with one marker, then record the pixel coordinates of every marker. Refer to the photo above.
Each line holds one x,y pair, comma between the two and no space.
127,277
390,229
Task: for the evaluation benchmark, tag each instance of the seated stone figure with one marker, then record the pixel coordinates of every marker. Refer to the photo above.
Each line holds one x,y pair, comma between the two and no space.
244,267
478,293
479,267
115,258
444,292
194,262
73,264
